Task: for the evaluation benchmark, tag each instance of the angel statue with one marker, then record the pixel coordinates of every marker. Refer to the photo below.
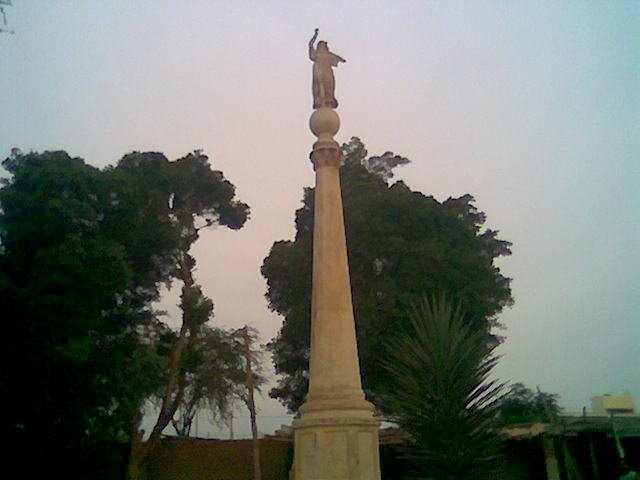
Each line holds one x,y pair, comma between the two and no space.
324,83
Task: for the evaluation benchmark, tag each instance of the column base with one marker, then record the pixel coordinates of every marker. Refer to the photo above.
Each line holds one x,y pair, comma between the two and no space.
327,402
336,445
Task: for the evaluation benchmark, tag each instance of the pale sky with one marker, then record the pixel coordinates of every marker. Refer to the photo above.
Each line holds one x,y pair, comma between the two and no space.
533,107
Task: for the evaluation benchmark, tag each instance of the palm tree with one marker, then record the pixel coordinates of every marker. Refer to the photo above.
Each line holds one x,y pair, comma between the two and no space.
442,396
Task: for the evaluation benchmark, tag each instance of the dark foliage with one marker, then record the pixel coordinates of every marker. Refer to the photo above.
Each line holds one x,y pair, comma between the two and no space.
400,244
83,254
522,405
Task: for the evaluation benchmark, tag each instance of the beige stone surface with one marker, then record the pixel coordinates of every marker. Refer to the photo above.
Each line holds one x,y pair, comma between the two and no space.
324,124
346,451
336,436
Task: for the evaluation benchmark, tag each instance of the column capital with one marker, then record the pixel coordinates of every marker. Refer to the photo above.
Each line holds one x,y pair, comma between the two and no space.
326,156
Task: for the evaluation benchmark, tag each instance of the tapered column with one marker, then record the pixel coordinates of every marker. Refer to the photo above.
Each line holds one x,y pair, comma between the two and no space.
336,436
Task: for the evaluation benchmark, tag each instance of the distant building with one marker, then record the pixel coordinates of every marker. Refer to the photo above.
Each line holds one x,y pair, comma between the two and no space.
607,405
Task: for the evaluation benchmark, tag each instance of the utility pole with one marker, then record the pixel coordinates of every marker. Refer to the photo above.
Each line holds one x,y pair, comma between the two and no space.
251,404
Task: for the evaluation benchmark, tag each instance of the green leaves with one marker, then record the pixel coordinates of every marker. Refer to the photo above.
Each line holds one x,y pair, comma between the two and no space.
401,244
441,394
522,405
196,308
84,253
215,375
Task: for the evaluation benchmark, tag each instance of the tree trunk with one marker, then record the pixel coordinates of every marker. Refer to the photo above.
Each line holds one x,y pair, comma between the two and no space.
140,451
170,402
252,407
137,453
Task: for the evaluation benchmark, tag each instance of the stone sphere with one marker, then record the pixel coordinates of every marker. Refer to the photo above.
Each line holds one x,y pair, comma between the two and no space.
324,121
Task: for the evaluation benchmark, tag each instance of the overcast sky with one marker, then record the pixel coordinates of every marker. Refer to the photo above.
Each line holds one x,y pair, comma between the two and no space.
531,107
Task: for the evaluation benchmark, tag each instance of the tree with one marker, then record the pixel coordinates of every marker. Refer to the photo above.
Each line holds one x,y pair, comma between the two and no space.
83,255
522,405
400,243
442,396
215,376
74,301
184,196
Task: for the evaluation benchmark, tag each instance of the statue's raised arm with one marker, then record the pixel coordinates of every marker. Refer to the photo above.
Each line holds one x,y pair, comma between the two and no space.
312,49
323,80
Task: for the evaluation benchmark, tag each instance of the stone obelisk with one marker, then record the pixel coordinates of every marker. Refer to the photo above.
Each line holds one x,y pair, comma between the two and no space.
336,435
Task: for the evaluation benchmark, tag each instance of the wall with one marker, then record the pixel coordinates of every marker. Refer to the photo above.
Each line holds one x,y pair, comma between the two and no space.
199,459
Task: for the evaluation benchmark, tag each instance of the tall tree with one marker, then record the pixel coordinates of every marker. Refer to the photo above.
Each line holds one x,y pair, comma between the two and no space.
400,243
73,300
184,197
83,255
442,396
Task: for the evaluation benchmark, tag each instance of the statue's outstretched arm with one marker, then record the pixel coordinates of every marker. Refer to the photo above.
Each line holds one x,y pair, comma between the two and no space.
313,39
312,50
336,59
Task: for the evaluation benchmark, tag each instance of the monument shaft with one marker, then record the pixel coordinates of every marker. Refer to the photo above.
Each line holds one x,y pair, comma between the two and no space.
334,358
336,436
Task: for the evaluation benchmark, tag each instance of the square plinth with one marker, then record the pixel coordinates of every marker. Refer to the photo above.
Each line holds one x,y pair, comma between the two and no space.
342,449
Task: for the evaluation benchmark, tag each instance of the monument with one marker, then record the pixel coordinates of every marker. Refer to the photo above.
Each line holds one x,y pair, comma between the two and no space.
336,434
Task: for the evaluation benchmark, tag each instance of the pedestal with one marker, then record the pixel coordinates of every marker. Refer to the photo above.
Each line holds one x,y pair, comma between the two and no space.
336,447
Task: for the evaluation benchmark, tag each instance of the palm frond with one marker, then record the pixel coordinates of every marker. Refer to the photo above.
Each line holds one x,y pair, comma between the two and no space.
442,394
